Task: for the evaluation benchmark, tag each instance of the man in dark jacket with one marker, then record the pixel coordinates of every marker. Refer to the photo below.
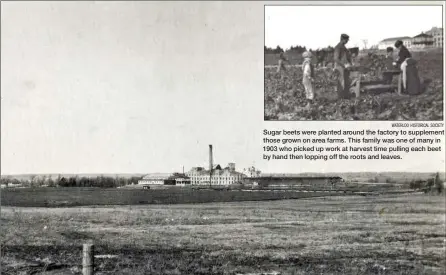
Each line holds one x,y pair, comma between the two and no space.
342,60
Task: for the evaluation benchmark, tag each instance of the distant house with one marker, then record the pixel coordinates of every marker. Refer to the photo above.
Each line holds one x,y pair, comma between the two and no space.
164,179
11,185
181,179
390,42
423,40
437,34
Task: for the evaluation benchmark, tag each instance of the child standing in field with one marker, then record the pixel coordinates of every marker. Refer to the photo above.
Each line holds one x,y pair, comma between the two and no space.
308,77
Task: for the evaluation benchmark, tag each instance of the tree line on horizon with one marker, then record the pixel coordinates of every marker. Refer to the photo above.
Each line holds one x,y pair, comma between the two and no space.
293,49
72,181
433,183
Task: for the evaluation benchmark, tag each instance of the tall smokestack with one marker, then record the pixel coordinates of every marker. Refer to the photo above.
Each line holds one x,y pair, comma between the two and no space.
210,159
210,164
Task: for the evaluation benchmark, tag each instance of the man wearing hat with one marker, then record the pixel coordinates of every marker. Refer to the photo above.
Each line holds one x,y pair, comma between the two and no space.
342,60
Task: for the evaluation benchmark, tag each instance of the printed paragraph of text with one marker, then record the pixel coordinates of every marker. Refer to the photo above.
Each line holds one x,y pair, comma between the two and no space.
348,145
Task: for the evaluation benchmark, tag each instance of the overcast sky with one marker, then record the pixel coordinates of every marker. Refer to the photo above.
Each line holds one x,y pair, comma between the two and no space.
302,25
124,87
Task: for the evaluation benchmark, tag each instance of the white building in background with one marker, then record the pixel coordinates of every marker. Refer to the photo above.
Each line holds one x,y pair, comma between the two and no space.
390,42
437,34
165,179
431,38
154,178
423,40
181,179
220,176
252,172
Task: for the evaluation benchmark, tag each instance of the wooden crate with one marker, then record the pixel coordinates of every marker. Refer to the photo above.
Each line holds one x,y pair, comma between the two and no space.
358,85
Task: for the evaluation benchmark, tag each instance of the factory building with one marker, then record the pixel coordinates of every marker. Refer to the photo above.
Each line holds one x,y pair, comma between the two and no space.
422,41
165,179
220,176
390,42
288,181
437,34
215,174
252,172
428,39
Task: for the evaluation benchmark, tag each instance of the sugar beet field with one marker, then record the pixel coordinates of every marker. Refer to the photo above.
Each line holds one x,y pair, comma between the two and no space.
285,99
387,234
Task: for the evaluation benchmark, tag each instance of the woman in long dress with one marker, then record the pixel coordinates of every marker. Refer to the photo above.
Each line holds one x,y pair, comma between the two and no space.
411,81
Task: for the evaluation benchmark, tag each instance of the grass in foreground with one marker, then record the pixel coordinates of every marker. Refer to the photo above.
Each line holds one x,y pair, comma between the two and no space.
335,235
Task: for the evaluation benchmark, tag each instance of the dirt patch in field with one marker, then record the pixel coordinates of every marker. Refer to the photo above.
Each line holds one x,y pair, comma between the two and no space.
284,96
183,261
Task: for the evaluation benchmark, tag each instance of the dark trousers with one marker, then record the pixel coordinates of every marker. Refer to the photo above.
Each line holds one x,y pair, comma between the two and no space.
343,87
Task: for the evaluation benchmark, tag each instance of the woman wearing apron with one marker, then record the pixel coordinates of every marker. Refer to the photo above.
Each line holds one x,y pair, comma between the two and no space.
411,81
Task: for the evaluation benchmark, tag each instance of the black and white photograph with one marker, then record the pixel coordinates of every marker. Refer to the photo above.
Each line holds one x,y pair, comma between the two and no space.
369,62
133,143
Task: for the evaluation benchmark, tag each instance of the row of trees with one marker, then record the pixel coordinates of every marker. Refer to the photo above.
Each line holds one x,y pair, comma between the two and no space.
277,50
75,181
433,184
301,49
293,49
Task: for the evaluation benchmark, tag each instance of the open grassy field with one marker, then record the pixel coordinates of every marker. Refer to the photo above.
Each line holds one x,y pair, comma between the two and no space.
332,235
60,197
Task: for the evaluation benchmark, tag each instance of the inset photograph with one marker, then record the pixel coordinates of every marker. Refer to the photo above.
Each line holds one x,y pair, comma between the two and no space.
345,63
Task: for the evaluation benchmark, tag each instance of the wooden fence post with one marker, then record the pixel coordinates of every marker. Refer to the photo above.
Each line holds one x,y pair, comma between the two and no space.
88,259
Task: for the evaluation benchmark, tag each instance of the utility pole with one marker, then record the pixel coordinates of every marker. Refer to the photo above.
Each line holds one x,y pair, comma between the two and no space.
365,42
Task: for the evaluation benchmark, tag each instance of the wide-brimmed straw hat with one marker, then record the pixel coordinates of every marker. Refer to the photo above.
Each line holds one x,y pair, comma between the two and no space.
307,54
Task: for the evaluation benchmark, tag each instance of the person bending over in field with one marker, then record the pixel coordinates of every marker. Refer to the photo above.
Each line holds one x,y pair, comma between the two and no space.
389,58
308,77
282,60
388,62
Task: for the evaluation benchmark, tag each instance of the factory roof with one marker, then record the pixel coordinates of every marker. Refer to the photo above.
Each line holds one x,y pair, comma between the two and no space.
217,170
157,176
295,177
228,172
396,38
435,30
423,35
164,176
179,176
